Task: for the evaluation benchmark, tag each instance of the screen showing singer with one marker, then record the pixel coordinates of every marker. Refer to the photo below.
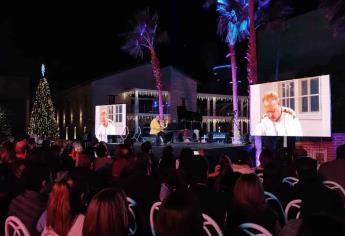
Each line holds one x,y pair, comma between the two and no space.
105,128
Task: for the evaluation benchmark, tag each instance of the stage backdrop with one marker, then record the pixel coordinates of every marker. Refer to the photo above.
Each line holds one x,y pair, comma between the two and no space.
308,99
110,120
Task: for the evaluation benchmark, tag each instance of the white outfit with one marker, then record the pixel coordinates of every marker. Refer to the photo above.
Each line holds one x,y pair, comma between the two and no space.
102,132
75,230
287,125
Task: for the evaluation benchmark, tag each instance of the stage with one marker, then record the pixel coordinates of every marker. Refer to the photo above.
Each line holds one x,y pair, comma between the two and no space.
212,150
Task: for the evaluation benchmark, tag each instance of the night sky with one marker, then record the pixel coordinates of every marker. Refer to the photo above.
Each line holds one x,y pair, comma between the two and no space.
82,42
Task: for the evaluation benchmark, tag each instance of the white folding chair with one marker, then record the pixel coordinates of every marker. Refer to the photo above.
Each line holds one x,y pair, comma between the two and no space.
208,221
261,177
131,204
334,186
293,204
253,229
271,197
154,208
15,227
290,180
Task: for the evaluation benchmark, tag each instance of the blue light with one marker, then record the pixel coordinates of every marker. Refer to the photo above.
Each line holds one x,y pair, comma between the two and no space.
221,67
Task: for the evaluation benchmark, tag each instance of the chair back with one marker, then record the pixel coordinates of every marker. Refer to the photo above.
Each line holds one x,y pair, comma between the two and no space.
335,186
290,180
254,229
133,220
273,201
15,227
209,226
293,204
153,211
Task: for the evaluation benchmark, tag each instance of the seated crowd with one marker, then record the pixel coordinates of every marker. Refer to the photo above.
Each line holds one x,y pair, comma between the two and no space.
67,188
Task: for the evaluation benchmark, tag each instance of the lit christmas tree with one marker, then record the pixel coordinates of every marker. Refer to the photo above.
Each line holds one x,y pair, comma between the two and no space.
5,128
42,120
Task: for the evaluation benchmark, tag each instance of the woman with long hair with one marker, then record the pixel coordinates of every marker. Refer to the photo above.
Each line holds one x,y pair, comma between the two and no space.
107,214
249,205
180,215
62,219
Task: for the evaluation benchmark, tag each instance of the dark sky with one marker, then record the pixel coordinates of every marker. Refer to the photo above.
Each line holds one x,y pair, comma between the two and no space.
82,42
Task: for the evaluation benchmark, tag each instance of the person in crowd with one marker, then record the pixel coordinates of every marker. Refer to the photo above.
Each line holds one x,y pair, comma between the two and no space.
139,184
316,198
121,162
31,144
224,178
321,224
241,162
167,160
21,149
102,160
107,214
249,205
335,170
62,216
212,203
266,158
29,205
179,215
7,153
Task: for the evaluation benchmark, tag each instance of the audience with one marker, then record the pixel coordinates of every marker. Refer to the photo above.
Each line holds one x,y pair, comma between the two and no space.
107,214
316,198
335,170
223,187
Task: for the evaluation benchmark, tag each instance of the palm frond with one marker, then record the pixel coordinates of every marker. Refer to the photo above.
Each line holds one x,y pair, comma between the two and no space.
335,14
233,21
143,34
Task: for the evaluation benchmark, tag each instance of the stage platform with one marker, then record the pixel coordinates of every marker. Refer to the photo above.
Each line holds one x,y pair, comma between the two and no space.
213,150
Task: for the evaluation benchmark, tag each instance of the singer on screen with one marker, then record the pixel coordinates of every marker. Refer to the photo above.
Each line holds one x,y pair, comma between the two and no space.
277,120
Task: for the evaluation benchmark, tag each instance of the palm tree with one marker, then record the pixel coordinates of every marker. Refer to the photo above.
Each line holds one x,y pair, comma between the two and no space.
335,14
233,24
142,37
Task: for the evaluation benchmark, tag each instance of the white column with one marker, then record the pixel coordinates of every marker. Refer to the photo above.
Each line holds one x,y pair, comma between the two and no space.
208,114
75,133
66,132
136,110
214,107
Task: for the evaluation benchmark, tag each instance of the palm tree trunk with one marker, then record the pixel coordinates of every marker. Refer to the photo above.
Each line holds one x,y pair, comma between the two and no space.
157,75
236,129
251,55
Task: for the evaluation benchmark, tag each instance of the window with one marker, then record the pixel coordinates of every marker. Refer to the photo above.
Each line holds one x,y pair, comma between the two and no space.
310,95
110,112
287,94
118,113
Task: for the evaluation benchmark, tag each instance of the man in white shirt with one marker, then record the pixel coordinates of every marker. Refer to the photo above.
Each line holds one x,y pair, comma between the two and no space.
105,128
277,120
